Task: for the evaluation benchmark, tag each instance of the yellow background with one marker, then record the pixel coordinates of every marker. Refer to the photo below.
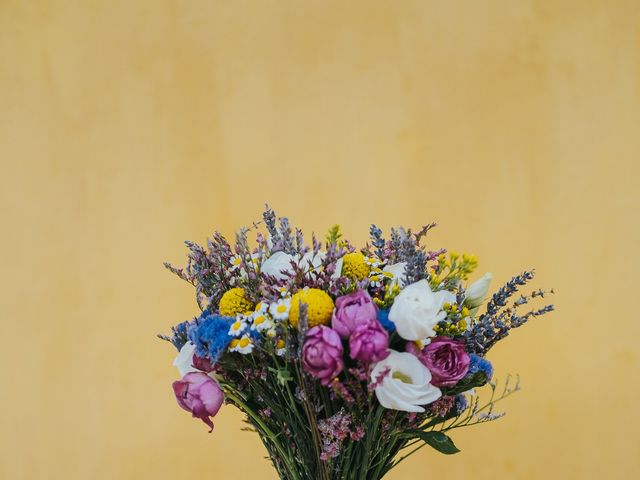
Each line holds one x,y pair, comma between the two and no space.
129,126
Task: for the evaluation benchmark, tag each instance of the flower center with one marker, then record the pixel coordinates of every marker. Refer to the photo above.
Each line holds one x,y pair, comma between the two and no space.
402,377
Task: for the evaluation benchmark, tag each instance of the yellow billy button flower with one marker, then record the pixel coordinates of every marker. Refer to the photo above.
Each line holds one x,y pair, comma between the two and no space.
234,302
354,266
320,307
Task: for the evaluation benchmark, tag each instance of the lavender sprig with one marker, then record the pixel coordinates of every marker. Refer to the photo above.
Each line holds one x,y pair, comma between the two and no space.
377,240
500,298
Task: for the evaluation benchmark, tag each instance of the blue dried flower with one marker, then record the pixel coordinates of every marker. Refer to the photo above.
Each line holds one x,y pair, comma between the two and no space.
479,364
210,335
179,337
461,403
383,318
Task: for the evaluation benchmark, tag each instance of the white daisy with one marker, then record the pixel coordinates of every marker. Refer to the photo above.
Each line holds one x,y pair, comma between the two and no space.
372,262
261,322
280,348
280,309
238,327
236,262
376,278
262,307
244,345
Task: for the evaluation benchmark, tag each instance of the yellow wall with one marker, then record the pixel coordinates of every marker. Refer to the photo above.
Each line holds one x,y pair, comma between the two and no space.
128,126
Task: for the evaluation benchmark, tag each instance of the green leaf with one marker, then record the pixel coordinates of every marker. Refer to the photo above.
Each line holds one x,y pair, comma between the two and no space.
437,440
282,375
478,379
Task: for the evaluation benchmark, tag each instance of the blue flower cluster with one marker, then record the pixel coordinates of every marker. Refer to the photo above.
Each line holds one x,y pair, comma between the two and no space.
383,318
210,335
179,337
479,364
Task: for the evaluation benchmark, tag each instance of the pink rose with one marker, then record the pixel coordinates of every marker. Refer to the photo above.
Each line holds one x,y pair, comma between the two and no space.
446,359
353,310
199,394
369,343
322,354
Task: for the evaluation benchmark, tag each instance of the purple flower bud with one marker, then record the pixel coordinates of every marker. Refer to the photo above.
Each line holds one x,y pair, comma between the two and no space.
445,358
199,394
322,354
353,310
369,343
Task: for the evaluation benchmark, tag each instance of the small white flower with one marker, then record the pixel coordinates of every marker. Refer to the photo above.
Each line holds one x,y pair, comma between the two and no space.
244,345
280,348
260,322
373,262
280,309
238,327
284,292
184,360
271,333
262,307
476,293
236,262
416,310
397,272
376,278
407,385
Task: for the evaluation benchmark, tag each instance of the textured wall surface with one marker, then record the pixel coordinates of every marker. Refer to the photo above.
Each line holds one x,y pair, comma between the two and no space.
127,127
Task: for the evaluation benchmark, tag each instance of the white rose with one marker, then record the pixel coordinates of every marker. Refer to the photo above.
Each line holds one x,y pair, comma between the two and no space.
276,263
398,271
184,360
406,387
309,261
416,310
477,291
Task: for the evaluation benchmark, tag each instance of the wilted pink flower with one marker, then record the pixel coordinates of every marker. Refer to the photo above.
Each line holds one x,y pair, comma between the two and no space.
203,364
353,310
446,359
369,343
199,394
322,353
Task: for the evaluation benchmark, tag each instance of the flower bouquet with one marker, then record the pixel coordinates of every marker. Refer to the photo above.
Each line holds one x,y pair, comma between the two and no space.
344,360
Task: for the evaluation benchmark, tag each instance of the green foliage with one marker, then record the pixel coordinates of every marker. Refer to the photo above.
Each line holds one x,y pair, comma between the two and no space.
333,235
437,440
478,379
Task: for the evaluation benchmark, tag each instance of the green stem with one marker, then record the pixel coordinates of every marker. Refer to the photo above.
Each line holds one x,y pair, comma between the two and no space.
272,436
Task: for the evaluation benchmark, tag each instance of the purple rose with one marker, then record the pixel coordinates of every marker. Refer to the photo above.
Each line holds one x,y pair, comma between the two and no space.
353,310
322,353
369,343
199,394
445,358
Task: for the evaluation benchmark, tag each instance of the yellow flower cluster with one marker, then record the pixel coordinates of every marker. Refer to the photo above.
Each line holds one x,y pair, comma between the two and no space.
354,266
390,293
453,328
234,302
456,267
319,310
